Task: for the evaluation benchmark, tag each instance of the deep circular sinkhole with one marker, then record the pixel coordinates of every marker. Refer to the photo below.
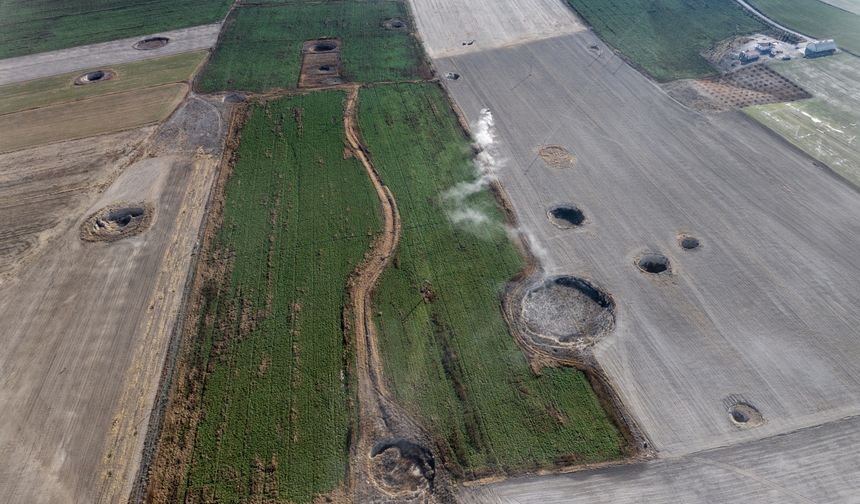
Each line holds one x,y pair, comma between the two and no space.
745,415
116,222
325,68
566,216
568,308
654,263
324,46
452,76
689,242
151,43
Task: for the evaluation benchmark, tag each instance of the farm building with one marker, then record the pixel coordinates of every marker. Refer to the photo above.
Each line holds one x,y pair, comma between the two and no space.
748,56
820,48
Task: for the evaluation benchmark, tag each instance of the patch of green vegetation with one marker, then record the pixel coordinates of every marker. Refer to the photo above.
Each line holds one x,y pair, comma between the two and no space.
28,26
446,349
815,18
666,37
261,47
297,220
827,126
61,88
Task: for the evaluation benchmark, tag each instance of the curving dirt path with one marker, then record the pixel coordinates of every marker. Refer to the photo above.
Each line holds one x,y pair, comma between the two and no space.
381,422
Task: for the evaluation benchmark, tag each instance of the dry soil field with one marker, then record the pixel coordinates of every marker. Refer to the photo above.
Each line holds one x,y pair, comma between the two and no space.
760,313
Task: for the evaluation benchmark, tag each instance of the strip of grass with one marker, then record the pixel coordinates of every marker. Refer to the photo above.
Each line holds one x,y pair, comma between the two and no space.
261,47
827,126
816,19
31,26
61,88
297,220
445,345
666,37
90,117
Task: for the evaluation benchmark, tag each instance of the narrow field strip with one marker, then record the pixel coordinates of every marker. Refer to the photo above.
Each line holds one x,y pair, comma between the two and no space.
89,117
262,401
62,88
446,351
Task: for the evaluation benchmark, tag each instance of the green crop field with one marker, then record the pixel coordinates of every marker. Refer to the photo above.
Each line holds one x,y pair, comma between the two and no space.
826,126
261,47
61,88
446,350
31,26
298,218
666,37
816,19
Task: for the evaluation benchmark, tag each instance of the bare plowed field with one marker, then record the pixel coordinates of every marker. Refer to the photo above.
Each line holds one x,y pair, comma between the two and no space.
43,190
760,313
89,117
86,324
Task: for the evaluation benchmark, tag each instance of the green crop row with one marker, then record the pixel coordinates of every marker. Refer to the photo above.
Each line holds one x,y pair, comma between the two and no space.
666,37
298,218
31,26
261,48
446,349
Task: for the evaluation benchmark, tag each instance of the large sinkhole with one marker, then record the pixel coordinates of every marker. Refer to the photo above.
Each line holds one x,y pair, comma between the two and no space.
654,263
401,465
151,43
116,222
568,308
566,216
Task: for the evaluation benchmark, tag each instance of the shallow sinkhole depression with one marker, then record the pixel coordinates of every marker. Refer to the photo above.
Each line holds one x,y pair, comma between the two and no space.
745,415
394,24
688,242
116,222
150,43
93,77
568,308
654,263
566,216
400,464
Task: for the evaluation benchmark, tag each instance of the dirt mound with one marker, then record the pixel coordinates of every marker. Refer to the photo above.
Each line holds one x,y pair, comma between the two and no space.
654,263
395,24
565,216
402,467
116,222
567,308
556,156
94,76
151,43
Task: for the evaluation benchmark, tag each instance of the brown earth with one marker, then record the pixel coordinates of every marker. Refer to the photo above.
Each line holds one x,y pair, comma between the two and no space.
752,85
321,64
44,190
89,117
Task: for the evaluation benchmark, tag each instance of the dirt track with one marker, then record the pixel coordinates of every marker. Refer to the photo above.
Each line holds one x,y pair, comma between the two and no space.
380,419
